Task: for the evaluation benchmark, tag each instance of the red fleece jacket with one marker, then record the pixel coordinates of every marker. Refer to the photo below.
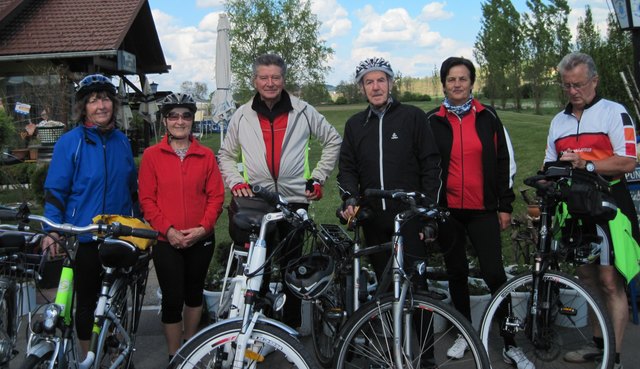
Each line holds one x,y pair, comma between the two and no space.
182,194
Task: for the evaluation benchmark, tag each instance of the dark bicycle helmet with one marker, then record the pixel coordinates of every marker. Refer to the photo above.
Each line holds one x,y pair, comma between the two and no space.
94,83
373,64
176,100
309,276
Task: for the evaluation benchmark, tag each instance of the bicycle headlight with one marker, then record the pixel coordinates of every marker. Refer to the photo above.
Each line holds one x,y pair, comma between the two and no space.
51,314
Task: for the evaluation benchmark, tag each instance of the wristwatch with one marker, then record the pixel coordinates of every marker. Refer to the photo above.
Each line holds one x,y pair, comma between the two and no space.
590,166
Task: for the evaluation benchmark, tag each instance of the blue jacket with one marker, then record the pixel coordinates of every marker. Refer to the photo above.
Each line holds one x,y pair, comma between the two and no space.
90,174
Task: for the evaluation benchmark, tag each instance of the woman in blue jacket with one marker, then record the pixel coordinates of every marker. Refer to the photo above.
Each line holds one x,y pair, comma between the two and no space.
91,172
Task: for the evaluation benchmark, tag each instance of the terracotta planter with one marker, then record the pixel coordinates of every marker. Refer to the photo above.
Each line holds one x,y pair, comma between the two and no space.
33,153
20,154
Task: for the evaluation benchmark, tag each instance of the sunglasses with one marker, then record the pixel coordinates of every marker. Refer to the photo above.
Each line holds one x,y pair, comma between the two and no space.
186,116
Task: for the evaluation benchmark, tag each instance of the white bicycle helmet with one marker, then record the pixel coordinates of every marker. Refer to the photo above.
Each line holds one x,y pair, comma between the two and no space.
373,64
176,100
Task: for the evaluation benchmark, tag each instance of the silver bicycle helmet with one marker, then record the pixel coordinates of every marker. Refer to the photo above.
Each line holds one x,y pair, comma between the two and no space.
94,83
176,100
373,64
309,276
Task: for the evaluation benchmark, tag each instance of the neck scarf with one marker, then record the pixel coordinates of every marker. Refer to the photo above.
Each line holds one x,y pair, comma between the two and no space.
459,110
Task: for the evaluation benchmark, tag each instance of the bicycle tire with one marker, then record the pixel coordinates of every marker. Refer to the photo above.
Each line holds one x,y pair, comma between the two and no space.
214,348
366,339
35,362
565,333
8,329
325,329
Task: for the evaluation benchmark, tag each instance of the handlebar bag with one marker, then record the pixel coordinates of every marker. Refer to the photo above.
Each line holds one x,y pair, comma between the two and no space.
586,199
140,243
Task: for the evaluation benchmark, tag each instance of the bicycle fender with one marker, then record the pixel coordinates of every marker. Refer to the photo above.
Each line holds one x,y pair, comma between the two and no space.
42,348
262,319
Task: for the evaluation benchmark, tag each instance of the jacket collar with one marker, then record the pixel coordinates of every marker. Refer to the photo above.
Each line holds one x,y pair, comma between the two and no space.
475,105
569,108
281,107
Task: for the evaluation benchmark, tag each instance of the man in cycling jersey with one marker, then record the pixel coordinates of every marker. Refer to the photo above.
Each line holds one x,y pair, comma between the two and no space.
597,135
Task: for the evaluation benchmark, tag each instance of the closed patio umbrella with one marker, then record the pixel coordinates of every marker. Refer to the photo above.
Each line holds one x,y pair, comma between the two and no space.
222,103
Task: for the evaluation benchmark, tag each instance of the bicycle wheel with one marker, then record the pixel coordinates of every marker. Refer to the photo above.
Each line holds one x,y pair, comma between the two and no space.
35,362
568,314
8,333
327,317
367,339
269,347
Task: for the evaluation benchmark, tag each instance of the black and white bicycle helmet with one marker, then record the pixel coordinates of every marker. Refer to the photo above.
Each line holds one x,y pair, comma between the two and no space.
309,276
373,64
178,100
94,83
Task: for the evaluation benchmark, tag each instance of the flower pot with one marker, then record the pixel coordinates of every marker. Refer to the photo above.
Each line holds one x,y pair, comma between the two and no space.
33,153
479,304
441,294
20,154
211,302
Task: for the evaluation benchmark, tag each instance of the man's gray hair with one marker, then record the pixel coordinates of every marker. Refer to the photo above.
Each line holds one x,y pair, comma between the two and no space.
269,59
574,59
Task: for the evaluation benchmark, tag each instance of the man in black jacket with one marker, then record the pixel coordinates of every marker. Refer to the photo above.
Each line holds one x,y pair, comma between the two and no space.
387,146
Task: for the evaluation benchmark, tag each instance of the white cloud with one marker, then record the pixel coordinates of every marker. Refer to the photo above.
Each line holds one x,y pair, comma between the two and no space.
334,18
434,11
189,50
209,3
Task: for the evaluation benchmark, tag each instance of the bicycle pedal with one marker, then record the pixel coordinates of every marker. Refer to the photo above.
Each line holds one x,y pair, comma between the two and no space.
568,310
334,314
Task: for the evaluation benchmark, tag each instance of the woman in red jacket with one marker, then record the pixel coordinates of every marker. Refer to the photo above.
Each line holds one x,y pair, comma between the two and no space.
181,195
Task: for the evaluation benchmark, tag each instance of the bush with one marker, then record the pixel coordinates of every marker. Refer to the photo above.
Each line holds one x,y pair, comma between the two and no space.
37,182
341,100
16,174
8,133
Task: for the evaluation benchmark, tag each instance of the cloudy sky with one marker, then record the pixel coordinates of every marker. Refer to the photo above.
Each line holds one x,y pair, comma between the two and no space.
415,36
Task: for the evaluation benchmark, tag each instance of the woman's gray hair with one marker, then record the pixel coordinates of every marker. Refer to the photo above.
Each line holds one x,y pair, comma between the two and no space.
574,59
80,109
269,59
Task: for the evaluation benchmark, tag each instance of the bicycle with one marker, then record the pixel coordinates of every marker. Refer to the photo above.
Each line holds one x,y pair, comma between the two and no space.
247,338
51,342
19,270
555,310
382,334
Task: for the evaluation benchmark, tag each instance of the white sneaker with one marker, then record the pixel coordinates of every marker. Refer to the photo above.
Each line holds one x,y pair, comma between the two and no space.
515,357
459,347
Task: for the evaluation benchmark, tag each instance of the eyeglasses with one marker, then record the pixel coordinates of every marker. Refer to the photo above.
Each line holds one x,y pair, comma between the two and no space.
575,86
186,116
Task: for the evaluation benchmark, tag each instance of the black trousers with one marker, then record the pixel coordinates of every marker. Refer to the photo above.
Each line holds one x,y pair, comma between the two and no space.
181,275
483,230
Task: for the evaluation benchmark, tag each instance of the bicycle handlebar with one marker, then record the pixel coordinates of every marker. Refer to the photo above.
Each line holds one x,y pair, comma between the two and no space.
114,229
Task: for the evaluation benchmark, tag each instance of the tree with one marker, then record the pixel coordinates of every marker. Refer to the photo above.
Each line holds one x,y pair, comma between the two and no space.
285,27
196,89
540,50
350,91
315,93
615,56
588,39
499,65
